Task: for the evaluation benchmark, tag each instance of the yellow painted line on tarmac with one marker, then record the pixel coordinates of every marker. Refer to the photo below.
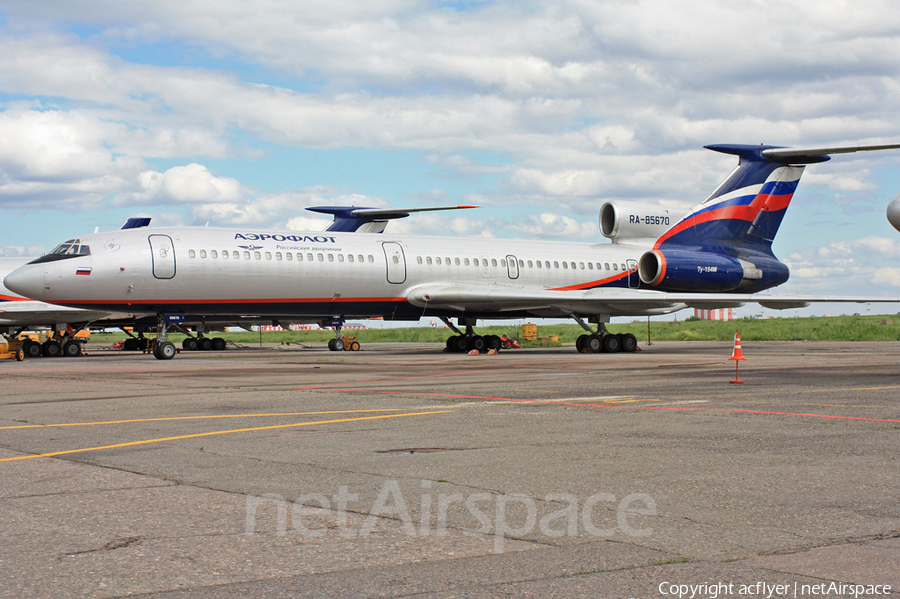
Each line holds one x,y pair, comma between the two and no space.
4,428
851,389
626,399
228,432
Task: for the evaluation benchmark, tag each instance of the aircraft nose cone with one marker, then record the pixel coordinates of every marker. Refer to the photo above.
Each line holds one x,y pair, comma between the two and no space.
893,213
27,281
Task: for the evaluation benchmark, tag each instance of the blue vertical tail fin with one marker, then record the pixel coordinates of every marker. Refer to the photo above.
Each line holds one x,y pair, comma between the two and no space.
748,207
725,242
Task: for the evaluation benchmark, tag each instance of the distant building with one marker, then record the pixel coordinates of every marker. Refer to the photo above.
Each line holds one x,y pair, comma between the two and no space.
720,314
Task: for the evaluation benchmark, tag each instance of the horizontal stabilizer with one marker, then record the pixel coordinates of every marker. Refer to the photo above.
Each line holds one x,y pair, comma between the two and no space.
781,155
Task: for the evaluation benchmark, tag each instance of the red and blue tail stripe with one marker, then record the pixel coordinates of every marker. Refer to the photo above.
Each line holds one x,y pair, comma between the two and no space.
745,211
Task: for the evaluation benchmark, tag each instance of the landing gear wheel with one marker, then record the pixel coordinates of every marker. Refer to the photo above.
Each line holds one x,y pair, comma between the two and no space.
190,344
164,350
493,342
131,344
579,343
458,344
218,344
476,342
51,349
205,344
629,343
593,343
71,349
32,349
611,344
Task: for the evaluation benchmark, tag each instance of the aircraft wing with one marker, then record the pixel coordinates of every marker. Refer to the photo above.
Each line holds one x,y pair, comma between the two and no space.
614,302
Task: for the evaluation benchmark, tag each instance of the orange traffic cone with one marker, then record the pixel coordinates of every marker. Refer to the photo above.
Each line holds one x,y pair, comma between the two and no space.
737,355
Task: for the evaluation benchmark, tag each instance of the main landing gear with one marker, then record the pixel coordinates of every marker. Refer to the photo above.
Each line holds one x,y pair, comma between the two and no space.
200,342
58,346
466,342
595,342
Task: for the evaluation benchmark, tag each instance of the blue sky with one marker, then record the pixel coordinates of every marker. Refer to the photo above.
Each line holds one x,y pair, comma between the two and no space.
242,114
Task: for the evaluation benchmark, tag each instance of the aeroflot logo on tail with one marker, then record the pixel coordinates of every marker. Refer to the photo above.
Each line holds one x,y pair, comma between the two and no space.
264,236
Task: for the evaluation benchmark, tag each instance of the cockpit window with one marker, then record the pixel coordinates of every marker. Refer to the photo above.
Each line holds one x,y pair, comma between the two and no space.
69,249
72,247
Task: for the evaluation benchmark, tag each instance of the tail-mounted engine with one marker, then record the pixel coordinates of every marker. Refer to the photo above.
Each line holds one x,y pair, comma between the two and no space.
634,220
687,270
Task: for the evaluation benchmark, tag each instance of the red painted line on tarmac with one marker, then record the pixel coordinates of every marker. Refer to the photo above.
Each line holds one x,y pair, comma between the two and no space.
592,405
408,378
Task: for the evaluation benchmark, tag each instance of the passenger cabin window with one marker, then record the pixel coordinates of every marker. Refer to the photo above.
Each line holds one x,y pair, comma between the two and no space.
213,254
192,253
203,253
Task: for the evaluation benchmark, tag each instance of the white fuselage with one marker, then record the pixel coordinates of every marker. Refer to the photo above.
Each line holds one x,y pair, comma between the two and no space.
234,271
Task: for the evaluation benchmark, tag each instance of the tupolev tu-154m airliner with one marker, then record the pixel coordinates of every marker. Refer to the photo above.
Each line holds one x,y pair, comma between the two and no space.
717,254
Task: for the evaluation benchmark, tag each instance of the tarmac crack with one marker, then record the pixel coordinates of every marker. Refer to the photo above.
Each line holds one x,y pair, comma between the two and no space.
163,485
110,546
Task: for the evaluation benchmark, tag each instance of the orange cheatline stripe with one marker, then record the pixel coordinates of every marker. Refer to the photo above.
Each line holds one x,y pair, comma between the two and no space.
5,428
228,432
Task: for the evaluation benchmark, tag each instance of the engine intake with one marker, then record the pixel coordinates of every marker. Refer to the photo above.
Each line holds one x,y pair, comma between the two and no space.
684,270
635,220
